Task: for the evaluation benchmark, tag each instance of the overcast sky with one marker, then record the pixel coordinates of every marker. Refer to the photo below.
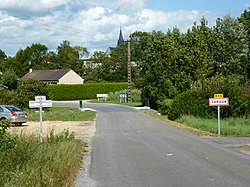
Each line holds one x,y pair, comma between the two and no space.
95,24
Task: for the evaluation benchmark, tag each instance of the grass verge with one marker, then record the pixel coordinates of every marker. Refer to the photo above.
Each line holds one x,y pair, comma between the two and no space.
195,131
52,163
230,127
62,114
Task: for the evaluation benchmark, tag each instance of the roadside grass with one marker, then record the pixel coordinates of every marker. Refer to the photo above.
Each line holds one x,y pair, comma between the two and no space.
184,127
61,114
52,163
230,127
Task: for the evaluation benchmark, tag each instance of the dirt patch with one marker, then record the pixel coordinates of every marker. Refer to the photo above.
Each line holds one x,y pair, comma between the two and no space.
83,130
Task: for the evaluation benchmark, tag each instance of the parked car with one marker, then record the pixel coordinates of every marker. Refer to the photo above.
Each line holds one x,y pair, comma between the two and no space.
14,114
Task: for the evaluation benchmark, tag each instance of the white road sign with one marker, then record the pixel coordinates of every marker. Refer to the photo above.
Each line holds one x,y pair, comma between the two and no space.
42,97
35,104
218,102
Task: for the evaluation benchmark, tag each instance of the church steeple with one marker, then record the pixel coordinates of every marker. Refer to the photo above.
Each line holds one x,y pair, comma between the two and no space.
120,40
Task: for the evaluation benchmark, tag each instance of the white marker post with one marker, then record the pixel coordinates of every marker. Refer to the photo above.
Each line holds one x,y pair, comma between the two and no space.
218,120
218,101
41,121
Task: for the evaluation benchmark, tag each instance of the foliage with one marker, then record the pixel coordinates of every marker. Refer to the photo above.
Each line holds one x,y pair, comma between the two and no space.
26,91
83,91
115,96
7,141
115,68
245,20
52,163
195,101
229,127
9,79
169,63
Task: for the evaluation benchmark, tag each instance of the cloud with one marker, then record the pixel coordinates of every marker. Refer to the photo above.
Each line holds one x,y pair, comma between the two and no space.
92,24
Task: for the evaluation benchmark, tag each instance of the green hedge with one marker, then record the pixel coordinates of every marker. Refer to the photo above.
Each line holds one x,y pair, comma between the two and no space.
83,91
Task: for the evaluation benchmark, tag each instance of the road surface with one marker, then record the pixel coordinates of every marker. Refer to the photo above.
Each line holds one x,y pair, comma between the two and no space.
132,149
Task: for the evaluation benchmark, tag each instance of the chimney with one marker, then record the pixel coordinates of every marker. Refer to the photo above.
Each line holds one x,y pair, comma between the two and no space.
30,71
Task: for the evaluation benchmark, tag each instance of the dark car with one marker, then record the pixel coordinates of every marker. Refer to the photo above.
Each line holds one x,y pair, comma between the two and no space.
14,114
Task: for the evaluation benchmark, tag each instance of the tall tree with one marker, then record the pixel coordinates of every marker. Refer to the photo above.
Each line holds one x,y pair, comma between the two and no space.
245,20
67,57
231,40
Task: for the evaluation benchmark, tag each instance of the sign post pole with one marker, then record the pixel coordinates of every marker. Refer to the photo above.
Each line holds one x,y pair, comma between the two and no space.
41,119
218,120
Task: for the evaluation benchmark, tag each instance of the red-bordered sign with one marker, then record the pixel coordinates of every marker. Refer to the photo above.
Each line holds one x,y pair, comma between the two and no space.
218,102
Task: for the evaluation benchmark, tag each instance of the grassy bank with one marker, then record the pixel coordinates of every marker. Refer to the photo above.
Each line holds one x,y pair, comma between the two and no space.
25,161
229,127
52,163
62,114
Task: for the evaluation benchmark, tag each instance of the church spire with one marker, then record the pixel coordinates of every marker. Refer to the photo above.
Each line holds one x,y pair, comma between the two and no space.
120,40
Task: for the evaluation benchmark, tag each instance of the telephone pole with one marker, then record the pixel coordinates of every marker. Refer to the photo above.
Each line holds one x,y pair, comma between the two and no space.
129,74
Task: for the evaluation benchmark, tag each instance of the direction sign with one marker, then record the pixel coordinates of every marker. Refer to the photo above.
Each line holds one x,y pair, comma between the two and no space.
218,102
35,104
42,97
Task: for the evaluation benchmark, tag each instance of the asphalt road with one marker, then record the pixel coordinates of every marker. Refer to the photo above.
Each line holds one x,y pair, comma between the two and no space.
132,149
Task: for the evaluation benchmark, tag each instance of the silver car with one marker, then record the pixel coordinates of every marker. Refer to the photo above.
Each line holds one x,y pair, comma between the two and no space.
14,114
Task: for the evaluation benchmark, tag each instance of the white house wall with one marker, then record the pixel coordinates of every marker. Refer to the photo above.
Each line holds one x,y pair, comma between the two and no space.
71,78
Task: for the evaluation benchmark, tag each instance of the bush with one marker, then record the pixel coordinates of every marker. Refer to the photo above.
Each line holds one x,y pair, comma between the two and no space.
195,101
136,95
27,91
83,91
7,141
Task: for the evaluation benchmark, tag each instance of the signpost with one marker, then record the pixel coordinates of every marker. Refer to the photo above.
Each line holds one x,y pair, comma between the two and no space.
40,102
123,98
218,101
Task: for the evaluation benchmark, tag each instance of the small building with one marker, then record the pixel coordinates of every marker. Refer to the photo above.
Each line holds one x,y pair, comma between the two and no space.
55,76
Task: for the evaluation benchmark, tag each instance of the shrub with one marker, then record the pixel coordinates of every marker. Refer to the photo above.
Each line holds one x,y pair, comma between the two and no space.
195,101
83,91
7,141
136,95
27,91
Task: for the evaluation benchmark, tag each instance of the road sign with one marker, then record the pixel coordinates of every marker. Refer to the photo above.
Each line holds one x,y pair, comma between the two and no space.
218,96
123,95
218,102
42,97
35,104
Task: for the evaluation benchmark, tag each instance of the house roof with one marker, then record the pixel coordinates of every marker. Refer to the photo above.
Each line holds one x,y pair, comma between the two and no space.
45,75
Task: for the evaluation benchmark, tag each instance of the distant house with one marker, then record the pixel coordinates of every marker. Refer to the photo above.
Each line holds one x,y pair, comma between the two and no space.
56,76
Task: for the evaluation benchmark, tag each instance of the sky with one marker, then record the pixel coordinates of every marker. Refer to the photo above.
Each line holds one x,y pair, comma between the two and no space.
95,24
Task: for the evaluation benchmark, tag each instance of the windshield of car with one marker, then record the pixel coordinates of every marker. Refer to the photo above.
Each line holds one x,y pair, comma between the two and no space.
13,109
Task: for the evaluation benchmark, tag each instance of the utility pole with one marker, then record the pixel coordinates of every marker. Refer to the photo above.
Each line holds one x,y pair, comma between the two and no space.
129,74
